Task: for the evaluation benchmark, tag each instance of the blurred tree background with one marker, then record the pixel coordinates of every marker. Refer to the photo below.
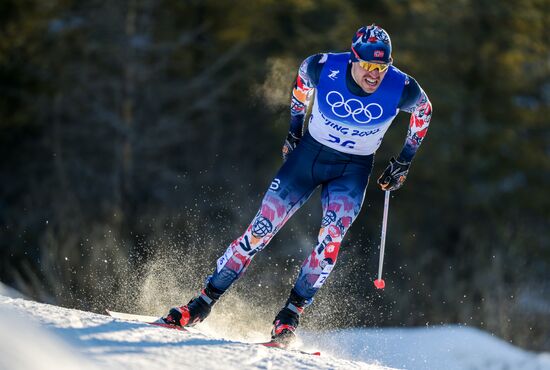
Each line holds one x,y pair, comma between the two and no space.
137,138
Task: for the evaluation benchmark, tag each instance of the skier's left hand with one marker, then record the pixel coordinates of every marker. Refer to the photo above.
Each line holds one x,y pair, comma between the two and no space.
291,142
394,176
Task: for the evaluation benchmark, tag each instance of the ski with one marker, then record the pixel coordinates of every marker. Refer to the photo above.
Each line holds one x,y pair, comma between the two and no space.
132,317
273,344
151,320
156,321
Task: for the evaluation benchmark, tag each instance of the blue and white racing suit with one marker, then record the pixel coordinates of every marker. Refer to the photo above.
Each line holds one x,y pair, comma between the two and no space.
346,127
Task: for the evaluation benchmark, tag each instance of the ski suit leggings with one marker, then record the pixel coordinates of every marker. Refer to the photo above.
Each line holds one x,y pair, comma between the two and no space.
343,178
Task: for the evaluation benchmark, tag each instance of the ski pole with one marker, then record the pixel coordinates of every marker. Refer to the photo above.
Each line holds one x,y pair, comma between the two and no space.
379,283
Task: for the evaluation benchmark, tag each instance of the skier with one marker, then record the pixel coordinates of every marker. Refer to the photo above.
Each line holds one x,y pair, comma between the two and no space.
354,97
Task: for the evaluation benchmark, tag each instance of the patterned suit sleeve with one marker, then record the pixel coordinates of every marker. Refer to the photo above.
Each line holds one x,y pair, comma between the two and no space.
306,80
421,114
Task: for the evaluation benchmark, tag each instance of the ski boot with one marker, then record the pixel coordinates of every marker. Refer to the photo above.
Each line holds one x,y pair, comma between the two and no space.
195,311
287,320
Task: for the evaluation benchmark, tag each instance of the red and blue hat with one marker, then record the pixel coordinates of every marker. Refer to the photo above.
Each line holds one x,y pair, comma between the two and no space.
371,43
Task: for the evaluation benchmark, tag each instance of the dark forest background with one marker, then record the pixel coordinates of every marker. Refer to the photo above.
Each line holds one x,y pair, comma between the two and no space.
137,138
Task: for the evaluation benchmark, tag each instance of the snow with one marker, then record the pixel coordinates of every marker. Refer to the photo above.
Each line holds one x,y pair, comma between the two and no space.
439,347
40,336
9,292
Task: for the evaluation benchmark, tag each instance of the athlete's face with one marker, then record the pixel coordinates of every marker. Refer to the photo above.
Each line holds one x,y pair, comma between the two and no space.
367,80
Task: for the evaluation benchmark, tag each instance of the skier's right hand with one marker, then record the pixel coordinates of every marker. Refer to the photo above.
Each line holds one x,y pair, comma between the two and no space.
291,142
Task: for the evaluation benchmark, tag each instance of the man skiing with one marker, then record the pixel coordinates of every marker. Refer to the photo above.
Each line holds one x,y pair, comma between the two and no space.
354,97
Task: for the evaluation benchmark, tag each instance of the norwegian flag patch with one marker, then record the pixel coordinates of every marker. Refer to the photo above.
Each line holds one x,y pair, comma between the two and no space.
379,53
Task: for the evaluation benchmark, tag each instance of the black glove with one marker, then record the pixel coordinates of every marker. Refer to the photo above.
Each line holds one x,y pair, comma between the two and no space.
291,142
394,176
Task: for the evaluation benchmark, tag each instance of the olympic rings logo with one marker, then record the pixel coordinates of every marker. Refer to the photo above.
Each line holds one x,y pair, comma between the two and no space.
353,107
